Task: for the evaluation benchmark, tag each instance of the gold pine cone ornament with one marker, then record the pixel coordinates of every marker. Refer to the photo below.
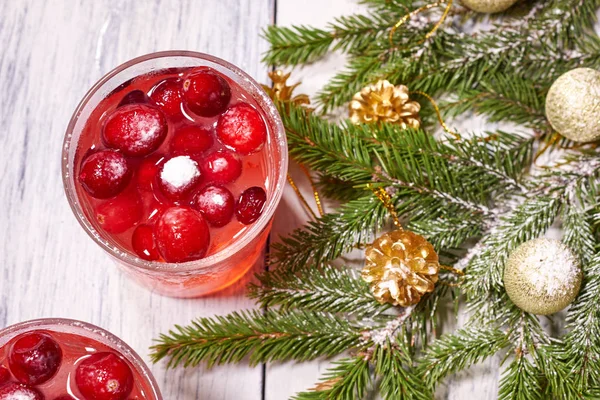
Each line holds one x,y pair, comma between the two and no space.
488,6
384,102
400,268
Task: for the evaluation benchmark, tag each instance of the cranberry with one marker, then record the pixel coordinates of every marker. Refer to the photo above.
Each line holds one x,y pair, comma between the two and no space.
135,129
250,205
178,177
147,171
119,214
104,174
4,374
222,166
64,397
242,129
167,96
216,203
104,376
18,391
143,243
206,93
133,97
191,139
181,235
34,358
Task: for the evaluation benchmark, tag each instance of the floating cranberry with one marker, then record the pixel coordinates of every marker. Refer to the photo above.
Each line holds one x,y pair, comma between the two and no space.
143,243
133,97
191,139
148,170
135,129
119,214
206,93
216,203
4,375
104,174
167,96
34,358
104,376
250,205
18,391
181,234
222,166
242,129
178,177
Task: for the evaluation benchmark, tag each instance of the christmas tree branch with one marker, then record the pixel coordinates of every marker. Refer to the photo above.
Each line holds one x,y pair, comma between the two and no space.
263,337
348,379
452,353
325,288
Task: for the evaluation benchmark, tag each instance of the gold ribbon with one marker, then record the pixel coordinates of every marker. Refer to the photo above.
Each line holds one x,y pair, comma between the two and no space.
419,10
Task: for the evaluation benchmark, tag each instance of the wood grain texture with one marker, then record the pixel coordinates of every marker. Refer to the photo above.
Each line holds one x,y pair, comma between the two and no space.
52,52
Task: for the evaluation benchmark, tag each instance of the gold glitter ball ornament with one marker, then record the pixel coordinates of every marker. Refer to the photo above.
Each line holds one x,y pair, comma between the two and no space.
488,6
542,276
573,105
384,102
400,268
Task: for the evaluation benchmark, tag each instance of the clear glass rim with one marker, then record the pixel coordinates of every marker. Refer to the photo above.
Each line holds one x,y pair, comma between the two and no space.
257,227
130,354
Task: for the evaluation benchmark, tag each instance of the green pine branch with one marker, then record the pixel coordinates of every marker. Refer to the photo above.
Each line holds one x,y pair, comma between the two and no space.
452,353
528,221
262,337
330,236
521,381
325,288
348,379
398,378
302,44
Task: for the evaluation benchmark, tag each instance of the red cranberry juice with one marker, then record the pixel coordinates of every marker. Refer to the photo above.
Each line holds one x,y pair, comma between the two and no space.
129,215
63,377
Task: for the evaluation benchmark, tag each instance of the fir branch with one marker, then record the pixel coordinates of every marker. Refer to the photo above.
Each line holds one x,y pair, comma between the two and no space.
452,353
578,232
331,235
302,44
262,336
348,379
326,147
326,288
504,98
527,221
394,366
448,232
520,381
359,72
581,352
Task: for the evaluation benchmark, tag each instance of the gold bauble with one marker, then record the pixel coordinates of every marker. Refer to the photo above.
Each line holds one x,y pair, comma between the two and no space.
573,105
384,102
542,276
488,6
400,268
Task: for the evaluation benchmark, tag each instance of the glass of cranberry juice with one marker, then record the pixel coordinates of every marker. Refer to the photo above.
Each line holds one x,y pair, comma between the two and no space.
62,359
174,164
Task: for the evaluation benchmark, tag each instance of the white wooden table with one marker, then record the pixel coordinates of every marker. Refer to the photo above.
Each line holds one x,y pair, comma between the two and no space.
52,51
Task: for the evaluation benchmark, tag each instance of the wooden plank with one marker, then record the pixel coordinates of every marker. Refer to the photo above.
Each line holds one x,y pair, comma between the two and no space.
52,52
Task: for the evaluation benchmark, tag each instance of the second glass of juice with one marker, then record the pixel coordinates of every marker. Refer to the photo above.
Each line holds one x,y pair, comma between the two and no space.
174,164
62,359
